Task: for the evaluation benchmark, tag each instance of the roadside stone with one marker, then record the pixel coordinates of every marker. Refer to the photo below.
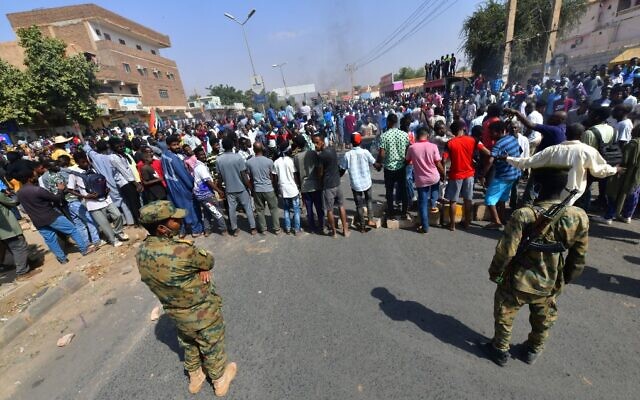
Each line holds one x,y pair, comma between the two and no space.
127,270
378,222
481,212
392,224
156,313
65,340
110,301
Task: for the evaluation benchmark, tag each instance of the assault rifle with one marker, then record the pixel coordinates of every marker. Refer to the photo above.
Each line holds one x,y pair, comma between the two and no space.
532,235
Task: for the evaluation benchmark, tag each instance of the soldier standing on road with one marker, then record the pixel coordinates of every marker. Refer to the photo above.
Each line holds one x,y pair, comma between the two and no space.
537,277
179,274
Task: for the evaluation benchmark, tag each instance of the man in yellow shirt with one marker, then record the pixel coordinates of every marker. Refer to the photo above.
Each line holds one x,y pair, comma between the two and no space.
59,143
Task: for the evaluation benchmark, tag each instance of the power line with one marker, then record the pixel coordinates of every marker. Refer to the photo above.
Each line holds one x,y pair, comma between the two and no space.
404,25
415,29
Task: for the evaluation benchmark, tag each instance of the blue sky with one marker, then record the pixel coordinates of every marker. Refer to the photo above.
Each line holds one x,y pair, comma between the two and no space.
315,38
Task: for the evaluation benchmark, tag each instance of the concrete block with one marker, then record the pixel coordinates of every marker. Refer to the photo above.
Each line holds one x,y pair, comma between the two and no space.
12,328
481,212
39,307
392,224
378,222
74,282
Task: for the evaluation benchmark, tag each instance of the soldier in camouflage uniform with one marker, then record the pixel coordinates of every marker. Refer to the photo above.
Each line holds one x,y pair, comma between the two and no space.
179,274
539,278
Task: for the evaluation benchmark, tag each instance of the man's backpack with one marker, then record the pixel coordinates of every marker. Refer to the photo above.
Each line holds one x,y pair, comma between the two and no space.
93,182
611,151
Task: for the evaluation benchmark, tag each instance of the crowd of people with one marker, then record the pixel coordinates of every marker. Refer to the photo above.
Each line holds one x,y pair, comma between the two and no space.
441,68
436,149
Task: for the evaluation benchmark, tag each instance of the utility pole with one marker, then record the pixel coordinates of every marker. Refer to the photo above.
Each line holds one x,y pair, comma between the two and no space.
553,34
350,69
506,61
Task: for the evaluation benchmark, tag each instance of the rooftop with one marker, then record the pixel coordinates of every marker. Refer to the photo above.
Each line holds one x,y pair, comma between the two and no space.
46,16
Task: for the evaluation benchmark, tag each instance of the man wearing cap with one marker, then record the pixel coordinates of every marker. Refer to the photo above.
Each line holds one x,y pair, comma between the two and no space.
537,276
179,274
59,143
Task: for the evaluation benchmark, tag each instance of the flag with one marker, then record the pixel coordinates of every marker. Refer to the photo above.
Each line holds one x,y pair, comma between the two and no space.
153,122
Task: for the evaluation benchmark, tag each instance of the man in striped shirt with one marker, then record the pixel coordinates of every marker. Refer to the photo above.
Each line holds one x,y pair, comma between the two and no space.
506,175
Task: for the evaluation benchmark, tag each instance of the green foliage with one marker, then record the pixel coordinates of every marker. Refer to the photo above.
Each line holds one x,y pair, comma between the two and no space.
54,90
409,73
228,94
483,33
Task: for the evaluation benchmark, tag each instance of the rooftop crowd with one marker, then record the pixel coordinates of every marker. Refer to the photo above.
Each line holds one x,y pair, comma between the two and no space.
436,148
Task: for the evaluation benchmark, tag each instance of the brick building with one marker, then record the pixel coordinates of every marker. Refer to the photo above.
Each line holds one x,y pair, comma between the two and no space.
134,76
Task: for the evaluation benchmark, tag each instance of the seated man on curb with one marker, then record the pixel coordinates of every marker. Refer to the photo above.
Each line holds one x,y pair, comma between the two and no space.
40,206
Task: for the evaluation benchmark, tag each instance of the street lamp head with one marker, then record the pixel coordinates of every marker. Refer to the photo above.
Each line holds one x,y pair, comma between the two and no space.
275,65
230,16
253,11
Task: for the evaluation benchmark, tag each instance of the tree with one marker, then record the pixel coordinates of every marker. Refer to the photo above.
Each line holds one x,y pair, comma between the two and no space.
228,94
409,73
54,90
483,33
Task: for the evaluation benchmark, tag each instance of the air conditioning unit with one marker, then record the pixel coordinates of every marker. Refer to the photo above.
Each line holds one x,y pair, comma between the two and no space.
104,82
121,83
155,71
139,66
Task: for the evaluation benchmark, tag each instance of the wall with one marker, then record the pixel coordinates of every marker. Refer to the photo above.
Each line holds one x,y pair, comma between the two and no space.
130,41
13,54
602,30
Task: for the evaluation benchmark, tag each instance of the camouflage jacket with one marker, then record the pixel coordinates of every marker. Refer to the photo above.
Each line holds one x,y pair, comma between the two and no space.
543,273
170,268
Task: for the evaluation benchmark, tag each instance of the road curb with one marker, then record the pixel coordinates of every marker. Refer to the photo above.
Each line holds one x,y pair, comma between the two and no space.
17,324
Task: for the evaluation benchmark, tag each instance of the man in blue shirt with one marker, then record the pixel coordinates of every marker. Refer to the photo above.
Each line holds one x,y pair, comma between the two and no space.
554,132
506,176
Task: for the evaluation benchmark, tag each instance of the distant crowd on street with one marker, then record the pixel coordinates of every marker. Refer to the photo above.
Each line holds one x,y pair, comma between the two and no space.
436,149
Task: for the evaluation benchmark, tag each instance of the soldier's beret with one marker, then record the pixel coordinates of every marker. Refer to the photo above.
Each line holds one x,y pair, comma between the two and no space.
159,211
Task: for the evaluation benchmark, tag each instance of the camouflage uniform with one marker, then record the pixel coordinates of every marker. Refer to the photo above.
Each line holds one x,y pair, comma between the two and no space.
538,280
170,269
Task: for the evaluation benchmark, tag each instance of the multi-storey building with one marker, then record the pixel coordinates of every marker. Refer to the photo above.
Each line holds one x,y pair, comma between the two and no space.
610,29
133,75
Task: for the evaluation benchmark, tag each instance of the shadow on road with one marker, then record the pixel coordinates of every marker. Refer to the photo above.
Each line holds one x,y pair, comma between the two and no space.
632,259
444,327
592,278
166,333
613,233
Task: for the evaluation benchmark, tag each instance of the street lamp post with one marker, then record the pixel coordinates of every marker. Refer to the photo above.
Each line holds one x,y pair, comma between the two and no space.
286,91
246,42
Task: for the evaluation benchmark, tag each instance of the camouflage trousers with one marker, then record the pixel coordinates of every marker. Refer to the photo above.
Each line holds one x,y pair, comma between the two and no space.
205,348
543,314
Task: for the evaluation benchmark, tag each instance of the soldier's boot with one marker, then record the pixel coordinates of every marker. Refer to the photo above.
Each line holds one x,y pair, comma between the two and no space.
196,380
497,356
531,356
221,385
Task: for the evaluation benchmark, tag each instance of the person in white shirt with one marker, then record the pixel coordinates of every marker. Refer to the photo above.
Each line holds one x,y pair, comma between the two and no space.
535,116
582,158
305,110
623,125
630,99
477,121
284,170
101,210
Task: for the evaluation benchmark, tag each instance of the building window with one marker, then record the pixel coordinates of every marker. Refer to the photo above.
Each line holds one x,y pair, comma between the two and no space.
127,67
98,32
170,76
153,52
138,47
107,36
624,4
164,94
157,73
134,90
121,41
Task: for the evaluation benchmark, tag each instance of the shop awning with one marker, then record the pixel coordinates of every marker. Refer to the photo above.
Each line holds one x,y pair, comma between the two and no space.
626,55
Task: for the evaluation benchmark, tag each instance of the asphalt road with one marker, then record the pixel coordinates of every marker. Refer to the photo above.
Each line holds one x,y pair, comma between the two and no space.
389,314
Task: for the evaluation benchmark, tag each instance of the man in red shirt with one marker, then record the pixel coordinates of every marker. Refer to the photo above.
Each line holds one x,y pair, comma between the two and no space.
461,172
